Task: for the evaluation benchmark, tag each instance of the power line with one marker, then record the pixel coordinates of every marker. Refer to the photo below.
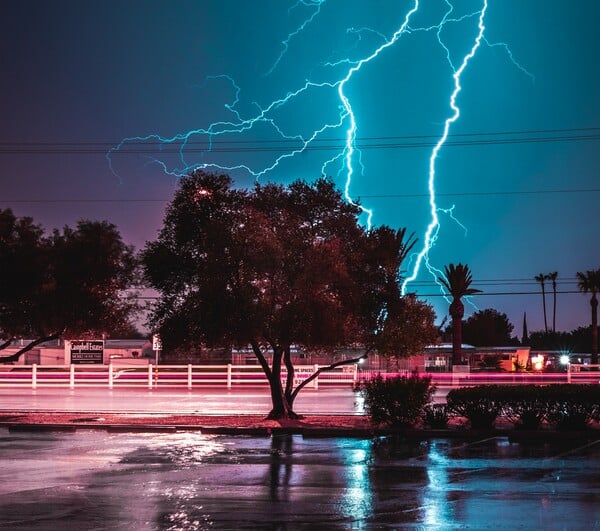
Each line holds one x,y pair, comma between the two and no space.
368,196
466,194
279,145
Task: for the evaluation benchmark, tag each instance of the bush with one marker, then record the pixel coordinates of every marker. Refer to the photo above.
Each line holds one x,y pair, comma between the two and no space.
573,406
481,404
526,406
436,416
398,402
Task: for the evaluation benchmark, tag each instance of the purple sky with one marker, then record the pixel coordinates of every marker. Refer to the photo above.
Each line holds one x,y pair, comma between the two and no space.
520,166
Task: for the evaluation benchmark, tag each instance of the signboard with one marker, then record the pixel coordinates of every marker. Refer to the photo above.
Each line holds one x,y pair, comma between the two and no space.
156,342
87,351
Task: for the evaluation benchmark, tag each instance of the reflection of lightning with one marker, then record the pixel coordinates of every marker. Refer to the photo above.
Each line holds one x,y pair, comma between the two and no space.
432,231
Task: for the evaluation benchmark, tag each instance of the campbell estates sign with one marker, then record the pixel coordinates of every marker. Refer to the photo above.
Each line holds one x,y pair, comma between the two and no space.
87,351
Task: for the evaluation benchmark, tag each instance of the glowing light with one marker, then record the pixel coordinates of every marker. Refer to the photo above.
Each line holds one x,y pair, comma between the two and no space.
565,359
537,362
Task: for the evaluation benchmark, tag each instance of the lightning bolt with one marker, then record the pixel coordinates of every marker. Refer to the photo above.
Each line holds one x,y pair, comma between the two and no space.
431,234
173,153
286,43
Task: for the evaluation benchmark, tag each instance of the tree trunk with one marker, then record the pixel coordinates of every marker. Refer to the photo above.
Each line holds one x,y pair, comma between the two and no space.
553,306
594,305
457,311
281,407
544,305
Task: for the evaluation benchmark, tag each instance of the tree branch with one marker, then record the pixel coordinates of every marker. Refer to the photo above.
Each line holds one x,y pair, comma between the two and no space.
6,343
27,348
327,368
261,359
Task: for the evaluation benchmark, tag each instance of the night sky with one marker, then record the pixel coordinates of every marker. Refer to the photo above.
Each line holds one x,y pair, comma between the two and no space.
520,165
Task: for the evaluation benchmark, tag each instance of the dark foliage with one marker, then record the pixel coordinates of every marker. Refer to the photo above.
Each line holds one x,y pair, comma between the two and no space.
71,283
573,407
398,402
487,328
274,267
481,404
436,416
526,406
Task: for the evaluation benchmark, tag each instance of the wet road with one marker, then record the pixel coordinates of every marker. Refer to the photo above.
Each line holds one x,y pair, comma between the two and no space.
96,480
208,401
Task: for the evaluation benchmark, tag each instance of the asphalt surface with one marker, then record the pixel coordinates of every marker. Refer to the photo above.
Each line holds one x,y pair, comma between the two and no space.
192,481
205,400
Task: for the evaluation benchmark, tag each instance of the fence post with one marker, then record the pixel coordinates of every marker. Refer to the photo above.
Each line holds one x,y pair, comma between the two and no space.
72,376
149,375
316,380
34,376
189,375
568,373
229,376
355,374
110,375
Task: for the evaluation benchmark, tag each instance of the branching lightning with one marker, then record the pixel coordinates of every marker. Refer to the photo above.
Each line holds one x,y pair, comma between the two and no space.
431,234
335,78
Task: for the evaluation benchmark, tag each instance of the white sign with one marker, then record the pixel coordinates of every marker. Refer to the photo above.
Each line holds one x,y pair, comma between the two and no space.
156,342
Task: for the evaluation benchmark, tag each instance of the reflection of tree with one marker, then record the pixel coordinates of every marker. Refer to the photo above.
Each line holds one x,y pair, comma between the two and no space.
280,466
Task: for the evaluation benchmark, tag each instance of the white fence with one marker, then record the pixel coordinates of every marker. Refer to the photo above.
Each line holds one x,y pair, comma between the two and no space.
151,376
189,376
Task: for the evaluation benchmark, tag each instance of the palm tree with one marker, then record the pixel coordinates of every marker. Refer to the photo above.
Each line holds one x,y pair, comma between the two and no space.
457,280
541,278
589,282
552,277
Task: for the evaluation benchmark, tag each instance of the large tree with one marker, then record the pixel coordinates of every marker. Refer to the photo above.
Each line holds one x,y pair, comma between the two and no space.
487,328
457,280
70,283
589,282
271,268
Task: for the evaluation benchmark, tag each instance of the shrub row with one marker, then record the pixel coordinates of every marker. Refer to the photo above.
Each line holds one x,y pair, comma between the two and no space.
406,401
565,406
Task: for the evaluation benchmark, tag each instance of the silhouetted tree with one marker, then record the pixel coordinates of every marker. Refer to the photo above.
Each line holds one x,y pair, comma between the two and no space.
525,336
541,278
541,340
589,282
457,280
487,328
69,284
552,277
275,267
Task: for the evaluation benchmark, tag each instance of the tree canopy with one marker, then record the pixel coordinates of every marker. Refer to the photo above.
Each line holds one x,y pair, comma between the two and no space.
275,267
489,327
67,284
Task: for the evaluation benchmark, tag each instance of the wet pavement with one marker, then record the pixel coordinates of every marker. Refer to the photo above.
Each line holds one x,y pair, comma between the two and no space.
96,480
205,401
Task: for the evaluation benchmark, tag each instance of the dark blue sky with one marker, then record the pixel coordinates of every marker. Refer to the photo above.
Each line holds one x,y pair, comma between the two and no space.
78,77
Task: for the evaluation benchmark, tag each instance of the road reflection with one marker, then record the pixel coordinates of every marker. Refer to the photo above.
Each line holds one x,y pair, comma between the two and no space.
186,480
